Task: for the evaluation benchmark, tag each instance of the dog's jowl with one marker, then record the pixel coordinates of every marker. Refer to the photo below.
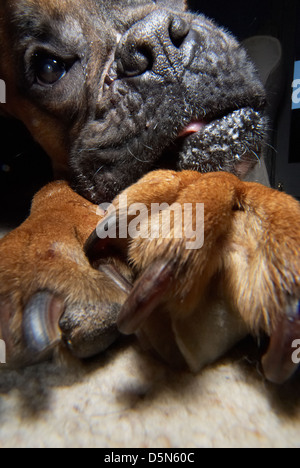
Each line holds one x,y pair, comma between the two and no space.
113,90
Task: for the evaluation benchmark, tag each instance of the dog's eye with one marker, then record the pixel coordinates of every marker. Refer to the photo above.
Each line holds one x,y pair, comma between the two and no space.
48,70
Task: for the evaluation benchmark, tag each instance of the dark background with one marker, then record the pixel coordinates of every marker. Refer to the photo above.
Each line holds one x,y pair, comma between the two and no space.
24,168
280,19
243,18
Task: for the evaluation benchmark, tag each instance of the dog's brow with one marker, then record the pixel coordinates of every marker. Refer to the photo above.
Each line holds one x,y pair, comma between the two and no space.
31,24
59,28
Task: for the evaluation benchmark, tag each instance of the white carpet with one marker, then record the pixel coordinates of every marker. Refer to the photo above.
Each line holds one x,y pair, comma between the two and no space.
127,398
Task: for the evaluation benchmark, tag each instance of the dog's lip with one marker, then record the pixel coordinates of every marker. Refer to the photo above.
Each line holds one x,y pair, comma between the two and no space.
194,126
199,125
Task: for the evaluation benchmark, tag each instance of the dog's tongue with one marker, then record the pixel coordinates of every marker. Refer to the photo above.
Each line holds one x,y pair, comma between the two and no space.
192,127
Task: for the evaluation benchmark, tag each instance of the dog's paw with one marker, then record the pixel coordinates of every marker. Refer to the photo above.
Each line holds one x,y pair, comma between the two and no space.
49,293
220,259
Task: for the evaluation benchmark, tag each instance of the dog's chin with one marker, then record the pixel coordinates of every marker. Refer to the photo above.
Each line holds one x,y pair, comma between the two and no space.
232,143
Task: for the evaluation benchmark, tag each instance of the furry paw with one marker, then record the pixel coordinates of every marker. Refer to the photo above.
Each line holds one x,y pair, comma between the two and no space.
220,259
50,296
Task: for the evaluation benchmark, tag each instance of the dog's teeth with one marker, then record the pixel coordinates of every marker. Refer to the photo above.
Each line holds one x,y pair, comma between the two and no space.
41,324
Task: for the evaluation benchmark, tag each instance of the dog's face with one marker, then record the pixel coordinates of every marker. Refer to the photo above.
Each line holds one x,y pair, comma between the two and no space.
114,89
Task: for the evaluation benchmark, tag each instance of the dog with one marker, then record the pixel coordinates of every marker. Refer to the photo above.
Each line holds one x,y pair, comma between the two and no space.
113,91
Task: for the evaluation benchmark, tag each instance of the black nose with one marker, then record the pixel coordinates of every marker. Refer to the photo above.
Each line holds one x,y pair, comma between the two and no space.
150,42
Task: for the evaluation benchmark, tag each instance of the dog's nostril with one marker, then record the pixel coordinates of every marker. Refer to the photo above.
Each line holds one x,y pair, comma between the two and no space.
147,44
178,31
134,60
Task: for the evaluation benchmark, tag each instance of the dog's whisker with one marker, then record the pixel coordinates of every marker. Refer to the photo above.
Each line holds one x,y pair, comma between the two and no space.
251,151
135,157
98,170
256,156
89,150
148,147
271,147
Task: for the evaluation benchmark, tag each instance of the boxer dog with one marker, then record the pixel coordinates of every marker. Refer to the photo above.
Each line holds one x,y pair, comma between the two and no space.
113,91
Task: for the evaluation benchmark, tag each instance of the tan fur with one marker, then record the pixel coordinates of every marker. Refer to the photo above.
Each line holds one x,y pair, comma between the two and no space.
249,261
46,253
247,271
251,235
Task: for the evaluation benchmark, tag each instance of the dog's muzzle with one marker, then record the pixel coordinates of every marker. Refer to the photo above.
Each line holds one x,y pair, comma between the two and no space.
179,93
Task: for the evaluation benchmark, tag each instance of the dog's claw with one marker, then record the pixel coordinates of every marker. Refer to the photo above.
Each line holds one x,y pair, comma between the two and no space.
99,239
41,330
278,365
147,294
